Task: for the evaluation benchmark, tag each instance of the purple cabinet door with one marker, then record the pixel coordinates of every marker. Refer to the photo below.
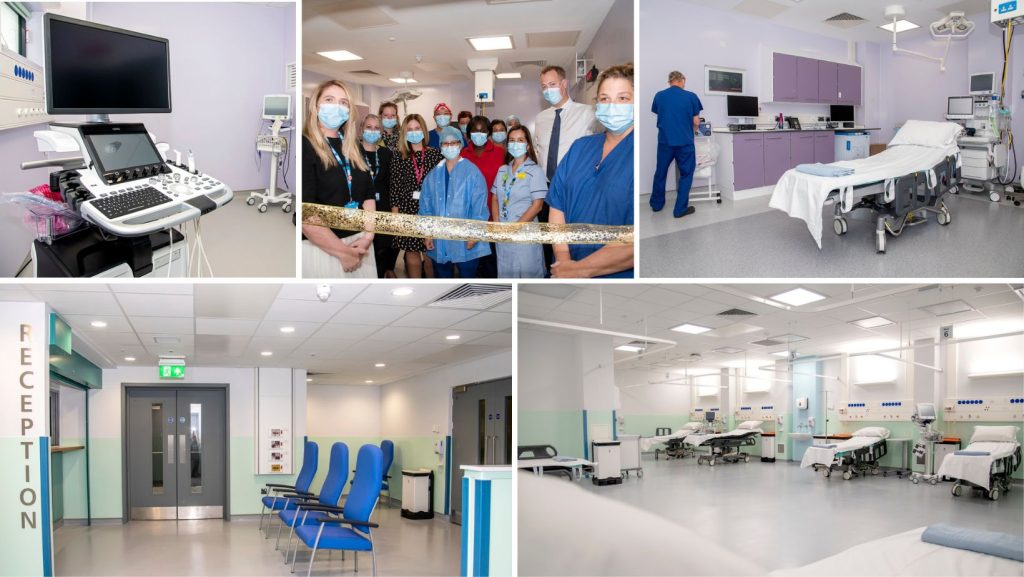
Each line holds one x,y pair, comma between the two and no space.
748,161
849,84
785,78
801,147
806,80
828,82
777,156
825,147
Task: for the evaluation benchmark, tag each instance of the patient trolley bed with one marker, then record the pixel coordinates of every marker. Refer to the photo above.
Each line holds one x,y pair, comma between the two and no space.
855,456
724,446
985,466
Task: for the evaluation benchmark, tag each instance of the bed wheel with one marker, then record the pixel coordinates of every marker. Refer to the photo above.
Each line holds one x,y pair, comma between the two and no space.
711,462
915,480
719,200
993,493
933,481
880,241
847,475
944,217
826,473
958,490
993,196
874,471
839,225
746,459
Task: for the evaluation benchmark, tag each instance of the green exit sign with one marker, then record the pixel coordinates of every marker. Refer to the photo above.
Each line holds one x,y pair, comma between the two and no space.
172,371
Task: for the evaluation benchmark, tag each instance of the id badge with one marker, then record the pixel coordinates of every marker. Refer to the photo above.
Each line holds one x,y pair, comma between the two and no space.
415,195
376,197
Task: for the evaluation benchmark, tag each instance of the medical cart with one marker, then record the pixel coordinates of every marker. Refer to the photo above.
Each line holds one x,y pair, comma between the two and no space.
607,462
629,454
417,493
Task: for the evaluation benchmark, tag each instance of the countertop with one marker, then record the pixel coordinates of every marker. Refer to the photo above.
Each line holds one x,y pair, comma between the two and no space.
727,131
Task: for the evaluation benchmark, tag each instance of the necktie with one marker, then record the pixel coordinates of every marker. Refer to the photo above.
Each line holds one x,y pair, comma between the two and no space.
553,144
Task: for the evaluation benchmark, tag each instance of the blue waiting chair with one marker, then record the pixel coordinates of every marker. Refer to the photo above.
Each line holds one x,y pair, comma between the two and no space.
388,449
351,530
330,494
275,500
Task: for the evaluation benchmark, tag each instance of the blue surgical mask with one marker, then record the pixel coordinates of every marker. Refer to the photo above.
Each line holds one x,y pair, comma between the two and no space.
414,136
371,136
553,95
443,120
478,138
389,123
498,137
517,149
617,118
332,115
451,152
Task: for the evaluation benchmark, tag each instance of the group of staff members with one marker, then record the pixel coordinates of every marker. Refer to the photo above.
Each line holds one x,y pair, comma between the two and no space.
476,168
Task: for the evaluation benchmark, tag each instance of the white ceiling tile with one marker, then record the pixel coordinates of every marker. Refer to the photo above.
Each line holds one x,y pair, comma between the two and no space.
179,288
224,346
464,336
81,324
229,327
307,311
503,339
145,305
400,334
331,331
369,314
306,291
504,307
108,341
173,325
73,286
486,321
432,318
234,301
81,302
14,294
302,330
423,293
464,353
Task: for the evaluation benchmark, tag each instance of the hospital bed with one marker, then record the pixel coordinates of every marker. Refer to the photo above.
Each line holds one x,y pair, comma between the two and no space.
675,448
726,446
987,463
857,455
900,185
544,459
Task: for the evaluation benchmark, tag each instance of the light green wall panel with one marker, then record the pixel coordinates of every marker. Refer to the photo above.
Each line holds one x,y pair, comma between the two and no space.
73,471
105,477
418,453
22,548
562,429
645,425
246,496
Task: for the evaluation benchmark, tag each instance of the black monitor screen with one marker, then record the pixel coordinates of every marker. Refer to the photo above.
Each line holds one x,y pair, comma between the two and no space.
741,106
841,113
96,69
116,147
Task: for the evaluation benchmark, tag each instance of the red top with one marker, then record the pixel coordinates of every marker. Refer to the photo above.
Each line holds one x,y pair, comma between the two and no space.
488,162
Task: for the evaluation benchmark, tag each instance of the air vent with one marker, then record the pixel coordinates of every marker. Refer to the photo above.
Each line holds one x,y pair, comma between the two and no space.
166,340
845,20
766,342
736,313
289,77
365,72
477,297
525,63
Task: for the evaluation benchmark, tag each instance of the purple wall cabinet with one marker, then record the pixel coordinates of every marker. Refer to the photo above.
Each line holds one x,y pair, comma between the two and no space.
806,79
825,147
748,161
801,148
784,79
849,84
777,156
828,82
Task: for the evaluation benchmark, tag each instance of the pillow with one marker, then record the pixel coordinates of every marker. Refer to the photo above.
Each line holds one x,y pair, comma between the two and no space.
927,133
749,424
995,434
692,426
880,432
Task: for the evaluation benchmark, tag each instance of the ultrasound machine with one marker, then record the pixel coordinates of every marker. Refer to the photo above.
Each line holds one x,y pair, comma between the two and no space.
138,204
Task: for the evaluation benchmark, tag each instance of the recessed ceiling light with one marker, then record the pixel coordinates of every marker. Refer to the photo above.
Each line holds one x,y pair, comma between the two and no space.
380,365
872,322
452,337
309,380
691,329
728,350
781,354
797,297
99,324
401,291
629,348
340,55
368,382
403,80
948,308
508,75
788,338
267,353
901,26
484,43
288,329
130,359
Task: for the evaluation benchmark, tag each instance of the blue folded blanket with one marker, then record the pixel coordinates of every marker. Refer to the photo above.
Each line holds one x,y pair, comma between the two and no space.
819,169
564,459
987,542
973,453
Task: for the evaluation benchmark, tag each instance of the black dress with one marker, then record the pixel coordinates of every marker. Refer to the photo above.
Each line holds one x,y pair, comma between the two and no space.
329,186
379,161
404,182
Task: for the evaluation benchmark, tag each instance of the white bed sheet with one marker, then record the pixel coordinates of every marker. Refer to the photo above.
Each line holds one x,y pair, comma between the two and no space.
975,469
819,455
803,196
648,443
697,440
906,554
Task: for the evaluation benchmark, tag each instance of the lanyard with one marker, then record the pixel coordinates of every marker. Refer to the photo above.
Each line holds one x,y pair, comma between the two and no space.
374,166
418,171
507,182
343,161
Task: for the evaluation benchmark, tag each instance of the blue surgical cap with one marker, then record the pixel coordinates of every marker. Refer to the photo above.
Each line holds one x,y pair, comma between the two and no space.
450,133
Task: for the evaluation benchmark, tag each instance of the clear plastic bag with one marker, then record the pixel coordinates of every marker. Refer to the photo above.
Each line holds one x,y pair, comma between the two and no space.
47,217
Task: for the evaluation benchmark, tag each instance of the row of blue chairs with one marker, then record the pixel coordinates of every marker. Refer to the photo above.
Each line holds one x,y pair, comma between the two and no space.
320,521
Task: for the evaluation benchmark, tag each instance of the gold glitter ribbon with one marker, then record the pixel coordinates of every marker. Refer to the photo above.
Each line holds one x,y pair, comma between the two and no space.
436,227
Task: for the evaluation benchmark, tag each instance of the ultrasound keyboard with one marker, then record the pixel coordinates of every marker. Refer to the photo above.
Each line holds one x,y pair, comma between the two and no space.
134,199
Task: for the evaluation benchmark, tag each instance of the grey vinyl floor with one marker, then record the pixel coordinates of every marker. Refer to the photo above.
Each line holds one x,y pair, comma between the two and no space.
984,239
216,547
781,516
242,242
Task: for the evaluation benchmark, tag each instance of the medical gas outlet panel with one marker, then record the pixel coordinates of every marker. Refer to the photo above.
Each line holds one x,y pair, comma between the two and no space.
22,93
698,413
984,409
756,413
891,410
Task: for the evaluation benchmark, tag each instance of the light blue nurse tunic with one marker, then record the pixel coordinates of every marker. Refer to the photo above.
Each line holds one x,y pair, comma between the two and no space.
515,192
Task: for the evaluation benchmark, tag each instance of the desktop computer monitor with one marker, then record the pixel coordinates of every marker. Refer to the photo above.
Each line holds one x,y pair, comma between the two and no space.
960,108
841,113
709,416
741,106
97,69
277,106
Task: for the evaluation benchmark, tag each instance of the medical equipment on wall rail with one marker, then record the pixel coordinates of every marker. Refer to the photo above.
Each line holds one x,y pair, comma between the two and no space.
924,448
22,94
276,108
982,408
889,410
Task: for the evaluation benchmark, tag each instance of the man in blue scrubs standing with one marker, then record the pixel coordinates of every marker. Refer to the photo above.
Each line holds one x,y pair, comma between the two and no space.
678,113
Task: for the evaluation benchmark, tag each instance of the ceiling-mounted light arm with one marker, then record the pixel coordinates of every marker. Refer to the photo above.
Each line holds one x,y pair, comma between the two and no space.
666,344
896,13
915,363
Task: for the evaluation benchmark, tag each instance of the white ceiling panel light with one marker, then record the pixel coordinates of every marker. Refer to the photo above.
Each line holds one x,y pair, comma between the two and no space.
380,365
287,330
508,75
728,350
267,353
401,291
98,324
691,329
130,359
899,26
452,337
872,322
340,55
486,43
403,80
798,297
948,308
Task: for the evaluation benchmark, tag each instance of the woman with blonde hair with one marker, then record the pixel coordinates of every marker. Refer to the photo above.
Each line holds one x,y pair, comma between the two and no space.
335,173
409,168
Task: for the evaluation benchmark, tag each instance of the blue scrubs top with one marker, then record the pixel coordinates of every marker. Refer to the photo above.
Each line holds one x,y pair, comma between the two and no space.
459,194
434,139
676,108
590,191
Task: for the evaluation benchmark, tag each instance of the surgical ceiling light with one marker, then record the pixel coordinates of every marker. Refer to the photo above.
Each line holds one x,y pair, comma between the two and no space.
508,75
955,25
952,26
798,297
691,329
872,322
340,55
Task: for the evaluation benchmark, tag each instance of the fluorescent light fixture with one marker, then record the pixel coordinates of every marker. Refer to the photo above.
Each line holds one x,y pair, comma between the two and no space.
403,80
287,330
789,338
380,365
995,374
629,348
99,324
267,353
130,359
900,25
484,43
948,308
797,297
340,55
872,322
368,382
508,75
784,354
728,350
691,329
452,337
401,292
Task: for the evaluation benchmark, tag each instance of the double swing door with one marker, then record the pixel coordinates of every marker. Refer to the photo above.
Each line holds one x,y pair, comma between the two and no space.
481,431
176,453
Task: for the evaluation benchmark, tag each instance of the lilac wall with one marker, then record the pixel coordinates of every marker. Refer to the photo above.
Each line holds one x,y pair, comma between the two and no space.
613,42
